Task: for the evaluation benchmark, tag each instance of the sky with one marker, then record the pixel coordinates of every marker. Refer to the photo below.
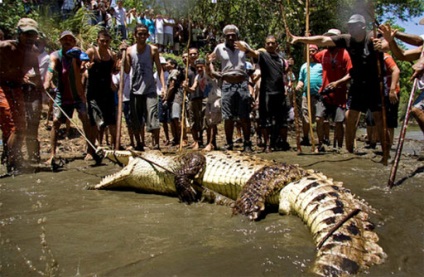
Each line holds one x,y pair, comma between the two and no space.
412,27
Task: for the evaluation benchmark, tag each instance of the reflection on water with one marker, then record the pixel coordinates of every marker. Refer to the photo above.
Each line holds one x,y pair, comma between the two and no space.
124,233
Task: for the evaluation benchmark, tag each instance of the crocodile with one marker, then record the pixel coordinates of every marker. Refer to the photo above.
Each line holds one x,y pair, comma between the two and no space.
339,221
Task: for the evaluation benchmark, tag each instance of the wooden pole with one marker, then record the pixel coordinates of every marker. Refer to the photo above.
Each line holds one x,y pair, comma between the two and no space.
296,111
395,165
185,91
120,98
308,78
384,139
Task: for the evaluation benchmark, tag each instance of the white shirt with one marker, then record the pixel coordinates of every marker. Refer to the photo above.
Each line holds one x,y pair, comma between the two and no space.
127,87
169,29
158,83
120,15
159,25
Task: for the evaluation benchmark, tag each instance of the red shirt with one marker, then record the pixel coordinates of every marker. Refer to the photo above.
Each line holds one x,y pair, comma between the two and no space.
390,64
334,67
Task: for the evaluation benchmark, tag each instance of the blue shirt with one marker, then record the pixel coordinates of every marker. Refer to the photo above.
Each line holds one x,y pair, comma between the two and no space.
315,77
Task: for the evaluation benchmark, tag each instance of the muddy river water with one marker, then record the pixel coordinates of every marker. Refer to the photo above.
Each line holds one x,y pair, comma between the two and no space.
51,225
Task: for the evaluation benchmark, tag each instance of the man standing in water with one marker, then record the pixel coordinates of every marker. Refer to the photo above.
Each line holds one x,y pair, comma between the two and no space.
17,57
365,89
143,98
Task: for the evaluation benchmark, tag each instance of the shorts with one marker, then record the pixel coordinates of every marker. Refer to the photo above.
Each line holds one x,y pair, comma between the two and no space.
69,110
305,108
362,98
176,110
144,109
196,111
12,111
213,113
391,113
127,114
419,102
159,38
168,39
164,111
326,111
102,112
235,100
273,111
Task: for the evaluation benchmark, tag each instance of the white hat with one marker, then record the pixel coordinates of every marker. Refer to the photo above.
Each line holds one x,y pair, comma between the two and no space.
333,32
162,60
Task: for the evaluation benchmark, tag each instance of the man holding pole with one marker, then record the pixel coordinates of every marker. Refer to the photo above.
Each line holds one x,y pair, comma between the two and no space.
365,89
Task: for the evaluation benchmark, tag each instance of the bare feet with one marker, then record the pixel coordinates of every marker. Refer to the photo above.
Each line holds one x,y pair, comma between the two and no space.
194,146
209,147
88,157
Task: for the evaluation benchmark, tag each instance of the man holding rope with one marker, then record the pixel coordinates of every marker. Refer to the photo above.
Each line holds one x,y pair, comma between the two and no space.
71,94
17,58
364,90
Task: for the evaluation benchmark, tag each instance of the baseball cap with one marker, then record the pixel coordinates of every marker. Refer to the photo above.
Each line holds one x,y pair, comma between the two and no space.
162,60
356,18
333,32
313,46
27,25
67,33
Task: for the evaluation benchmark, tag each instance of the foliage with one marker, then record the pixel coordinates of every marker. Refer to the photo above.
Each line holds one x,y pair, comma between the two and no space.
10,13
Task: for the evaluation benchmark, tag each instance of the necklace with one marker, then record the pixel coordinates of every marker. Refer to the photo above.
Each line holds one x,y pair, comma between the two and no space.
333,59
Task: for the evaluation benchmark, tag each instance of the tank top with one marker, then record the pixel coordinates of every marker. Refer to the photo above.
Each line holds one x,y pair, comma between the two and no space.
100,79
142,81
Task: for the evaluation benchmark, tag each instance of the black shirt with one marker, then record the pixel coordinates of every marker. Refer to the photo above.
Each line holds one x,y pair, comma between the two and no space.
272,73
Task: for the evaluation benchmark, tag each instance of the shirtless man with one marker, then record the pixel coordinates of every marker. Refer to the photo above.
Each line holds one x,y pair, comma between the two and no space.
17,57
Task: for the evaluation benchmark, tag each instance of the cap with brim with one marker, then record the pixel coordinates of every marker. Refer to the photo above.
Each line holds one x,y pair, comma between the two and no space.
333,32
356,18
313,46
421,21
28,25
162,60
67,33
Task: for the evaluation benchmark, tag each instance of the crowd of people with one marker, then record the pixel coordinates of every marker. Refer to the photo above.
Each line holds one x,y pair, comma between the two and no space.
251,91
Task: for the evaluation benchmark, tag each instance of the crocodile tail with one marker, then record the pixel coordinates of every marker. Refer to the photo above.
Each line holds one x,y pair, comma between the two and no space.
338,222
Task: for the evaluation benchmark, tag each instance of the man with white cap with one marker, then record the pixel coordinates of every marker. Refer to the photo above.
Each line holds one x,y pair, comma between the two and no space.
70,95
235,92
365,83
17,58
336,64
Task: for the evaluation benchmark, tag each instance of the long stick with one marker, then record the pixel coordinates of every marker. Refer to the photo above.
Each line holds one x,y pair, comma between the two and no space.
395,165
185,91
308,78
120,99
383,139
296,111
